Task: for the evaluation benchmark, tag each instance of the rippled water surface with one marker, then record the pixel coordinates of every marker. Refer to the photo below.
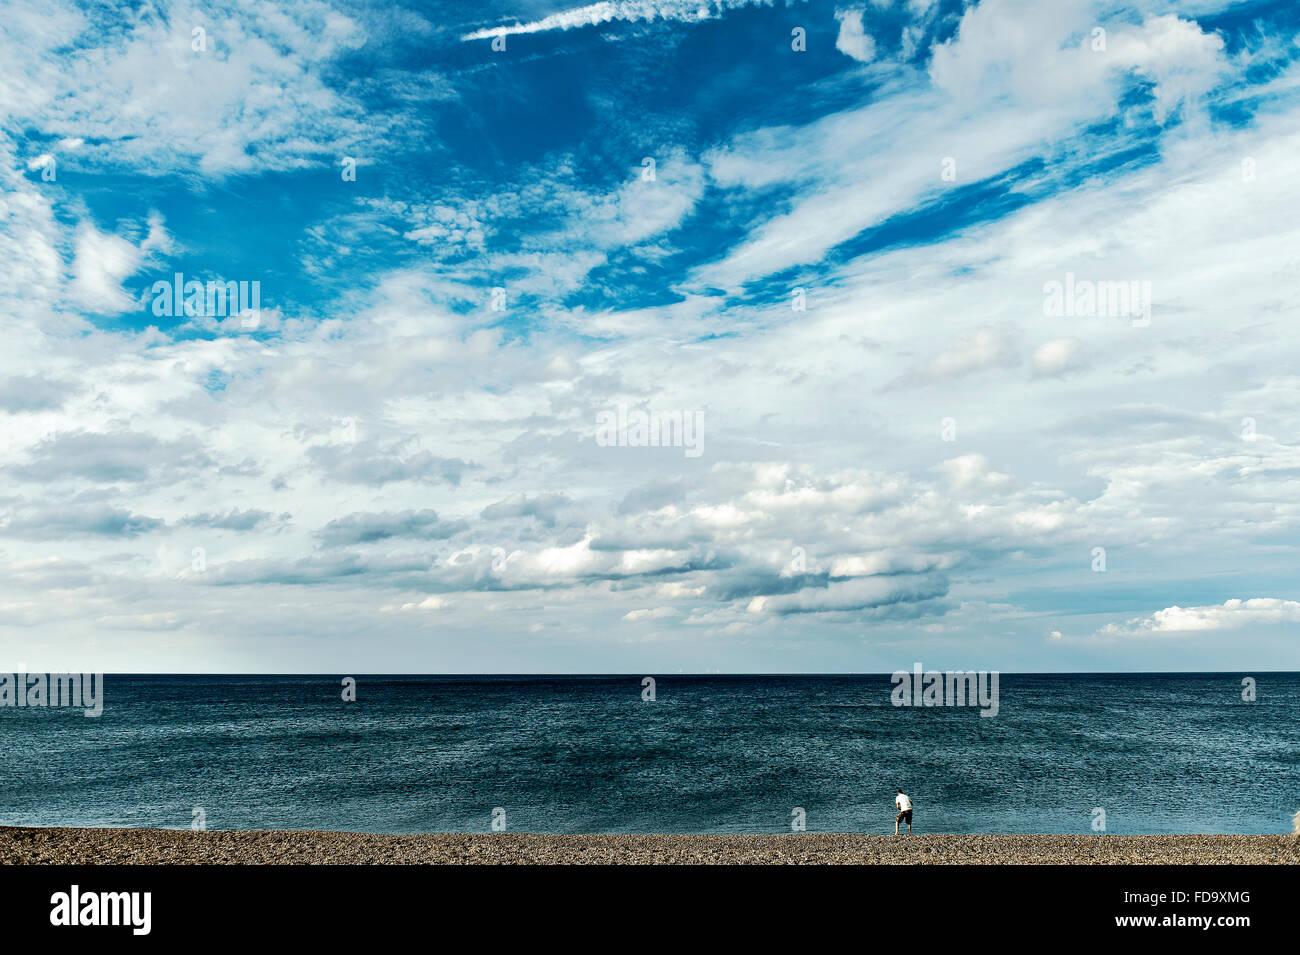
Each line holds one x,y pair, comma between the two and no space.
1159,753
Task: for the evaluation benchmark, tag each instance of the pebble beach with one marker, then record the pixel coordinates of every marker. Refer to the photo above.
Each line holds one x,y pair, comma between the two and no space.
64,846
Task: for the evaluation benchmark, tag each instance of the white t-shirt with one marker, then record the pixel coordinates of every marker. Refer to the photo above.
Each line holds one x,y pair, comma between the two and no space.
903,803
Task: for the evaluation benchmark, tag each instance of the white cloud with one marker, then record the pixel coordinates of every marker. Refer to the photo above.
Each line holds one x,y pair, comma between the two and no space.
469,476
428,603
102,261
971,472
981,349
852,39
656,613
1018,77
252,99
1056,357
1230,615
606,11
1049,57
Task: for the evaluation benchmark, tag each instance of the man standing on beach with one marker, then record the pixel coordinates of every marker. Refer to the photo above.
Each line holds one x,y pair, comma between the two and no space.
904,805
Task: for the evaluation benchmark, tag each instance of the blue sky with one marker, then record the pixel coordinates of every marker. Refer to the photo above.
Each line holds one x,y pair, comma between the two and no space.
824,232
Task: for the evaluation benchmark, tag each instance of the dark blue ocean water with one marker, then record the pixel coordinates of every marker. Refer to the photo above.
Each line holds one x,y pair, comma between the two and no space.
1159,753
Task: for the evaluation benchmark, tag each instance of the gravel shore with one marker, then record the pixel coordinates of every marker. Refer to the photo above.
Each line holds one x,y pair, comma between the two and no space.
153,846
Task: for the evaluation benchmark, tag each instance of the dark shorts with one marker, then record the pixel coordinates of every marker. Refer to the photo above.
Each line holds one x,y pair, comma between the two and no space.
904,816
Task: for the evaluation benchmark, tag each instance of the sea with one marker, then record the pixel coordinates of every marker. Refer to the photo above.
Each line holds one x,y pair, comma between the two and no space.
1066,753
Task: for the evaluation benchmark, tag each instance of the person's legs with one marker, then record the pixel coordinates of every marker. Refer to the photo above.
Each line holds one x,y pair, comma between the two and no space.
897,820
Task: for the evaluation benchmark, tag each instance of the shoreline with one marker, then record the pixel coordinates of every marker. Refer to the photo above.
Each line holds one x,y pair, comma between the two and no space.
111,846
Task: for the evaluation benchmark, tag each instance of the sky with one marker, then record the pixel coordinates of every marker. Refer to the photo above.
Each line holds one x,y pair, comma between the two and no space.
966,330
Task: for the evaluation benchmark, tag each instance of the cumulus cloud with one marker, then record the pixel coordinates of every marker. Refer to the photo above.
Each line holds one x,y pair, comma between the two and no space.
1057,357
390,450
971,472
1058,57
379,463
102,261
235,520
428,603
542,506
106,457
78,518
852,39
1230,615
649,613
877,596
32,393
371,528
981,349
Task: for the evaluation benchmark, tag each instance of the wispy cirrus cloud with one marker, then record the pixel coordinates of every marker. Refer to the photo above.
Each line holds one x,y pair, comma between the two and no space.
607,11
836,259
